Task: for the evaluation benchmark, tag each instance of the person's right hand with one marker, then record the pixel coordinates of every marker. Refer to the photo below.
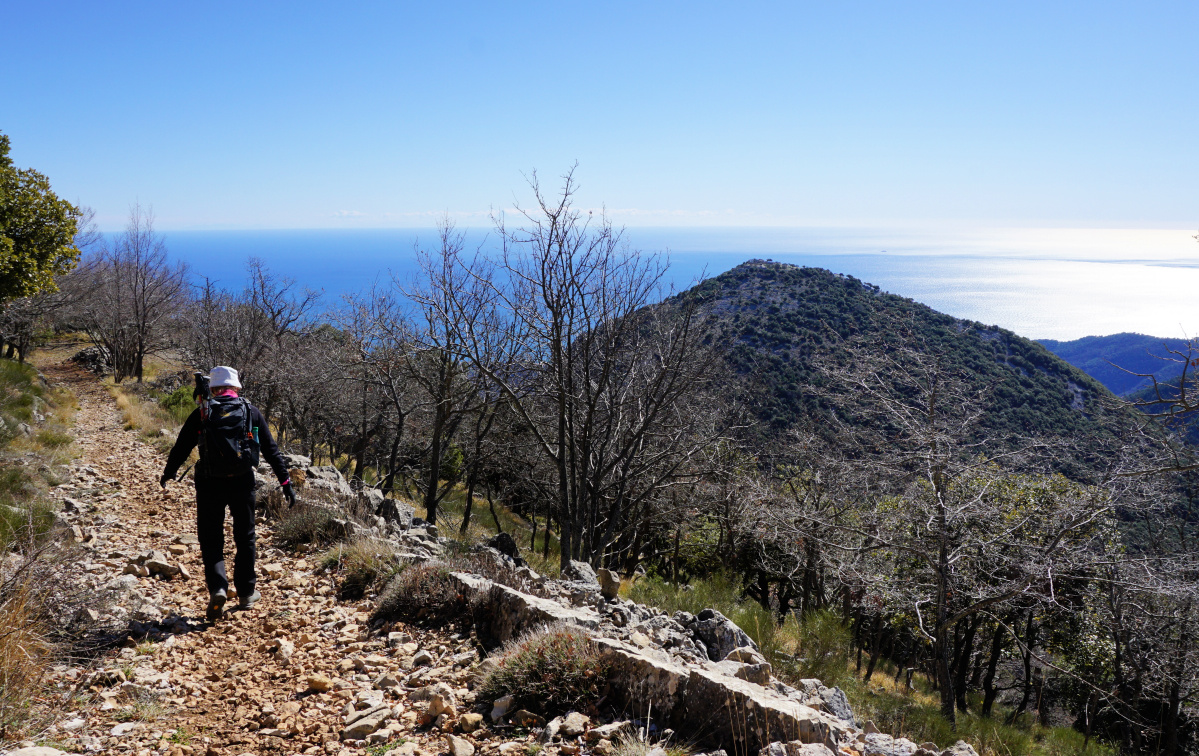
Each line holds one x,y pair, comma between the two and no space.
163,480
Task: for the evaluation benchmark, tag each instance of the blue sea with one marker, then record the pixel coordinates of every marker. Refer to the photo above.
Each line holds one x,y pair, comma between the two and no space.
1041,283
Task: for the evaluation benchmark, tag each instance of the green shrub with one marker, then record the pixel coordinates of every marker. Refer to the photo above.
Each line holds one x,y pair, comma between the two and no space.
53,439
424,594
179,403
18,390
305,524
550,671
824,644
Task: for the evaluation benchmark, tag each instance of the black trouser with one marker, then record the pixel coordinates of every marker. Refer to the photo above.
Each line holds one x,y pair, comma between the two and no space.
212,496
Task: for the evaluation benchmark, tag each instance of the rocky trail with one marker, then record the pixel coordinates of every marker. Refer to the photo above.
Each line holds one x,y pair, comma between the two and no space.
297,673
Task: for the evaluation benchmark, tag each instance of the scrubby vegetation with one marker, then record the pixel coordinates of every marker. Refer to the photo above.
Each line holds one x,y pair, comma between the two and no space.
307,524
822,646
36,604
362,565
549,671
426,595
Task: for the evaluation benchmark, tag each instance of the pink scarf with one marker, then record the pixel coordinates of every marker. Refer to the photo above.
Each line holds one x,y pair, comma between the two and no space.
225,391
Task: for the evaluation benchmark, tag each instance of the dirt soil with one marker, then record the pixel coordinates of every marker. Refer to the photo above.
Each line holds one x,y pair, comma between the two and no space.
281,677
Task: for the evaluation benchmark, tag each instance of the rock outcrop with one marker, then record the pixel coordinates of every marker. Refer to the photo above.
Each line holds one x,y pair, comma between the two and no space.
685,688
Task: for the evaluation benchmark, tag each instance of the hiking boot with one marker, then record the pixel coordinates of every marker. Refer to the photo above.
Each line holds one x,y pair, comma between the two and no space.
216,605
248,601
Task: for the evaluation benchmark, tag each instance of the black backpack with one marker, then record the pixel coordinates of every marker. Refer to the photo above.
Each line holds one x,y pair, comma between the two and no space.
227,444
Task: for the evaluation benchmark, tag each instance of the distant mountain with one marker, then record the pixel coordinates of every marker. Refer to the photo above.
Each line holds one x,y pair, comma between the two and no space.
775,320
1102,358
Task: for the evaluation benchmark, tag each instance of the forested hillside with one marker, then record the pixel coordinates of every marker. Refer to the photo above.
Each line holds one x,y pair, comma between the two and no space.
783,328
1120,361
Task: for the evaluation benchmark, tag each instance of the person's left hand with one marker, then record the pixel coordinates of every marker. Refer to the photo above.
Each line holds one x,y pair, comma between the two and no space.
289,494
163,480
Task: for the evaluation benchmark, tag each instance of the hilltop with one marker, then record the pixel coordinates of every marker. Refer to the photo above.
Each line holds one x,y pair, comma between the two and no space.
777,321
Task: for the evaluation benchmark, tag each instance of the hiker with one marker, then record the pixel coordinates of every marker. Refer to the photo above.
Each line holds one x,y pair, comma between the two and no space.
230,432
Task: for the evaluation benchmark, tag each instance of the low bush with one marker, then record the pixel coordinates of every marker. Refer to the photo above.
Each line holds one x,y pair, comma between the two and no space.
30,523
425,594
550,671
179,403
53,439
363,565
824,645
305,524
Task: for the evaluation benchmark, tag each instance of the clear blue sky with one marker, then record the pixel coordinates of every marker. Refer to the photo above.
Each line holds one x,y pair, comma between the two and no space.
302,115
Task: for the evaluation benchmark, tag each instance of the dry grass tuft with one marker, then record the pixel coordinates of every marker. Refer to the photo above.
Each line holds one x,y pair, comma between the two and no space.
424,594
635,745
551,670
307,524
23,653
363,565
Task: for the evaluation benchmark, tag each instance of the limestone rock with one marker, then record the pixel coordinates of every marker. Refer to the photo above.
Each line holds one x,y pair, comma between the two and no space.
580,571
878,744
422,658
574,725
459,746
830,700
319,683
37,751
719,634
501,707
470,722
960,748
796,748
363,727
609,583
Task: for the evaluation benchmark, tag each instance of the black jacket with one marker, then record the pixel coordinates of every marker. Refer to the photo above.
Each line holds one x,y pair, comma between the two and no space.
189,436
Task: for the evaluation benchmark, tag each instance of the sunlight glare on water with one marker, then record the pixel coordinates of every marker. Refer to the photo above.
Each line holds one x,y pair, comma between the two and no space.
1059,284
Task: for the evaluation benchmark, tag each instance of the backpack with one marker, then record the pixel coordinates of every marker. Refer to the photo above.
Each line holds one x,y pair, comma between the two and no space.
227,442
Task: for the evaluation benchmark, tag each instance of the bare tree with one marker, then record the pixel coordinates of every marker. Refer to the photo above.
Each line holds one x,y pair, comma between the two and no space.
600,376
945,534
253,330
134,291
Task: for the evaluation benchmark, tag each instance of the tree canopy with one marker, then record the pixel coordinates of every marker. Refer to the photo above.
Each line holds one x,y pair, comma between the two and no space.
37,231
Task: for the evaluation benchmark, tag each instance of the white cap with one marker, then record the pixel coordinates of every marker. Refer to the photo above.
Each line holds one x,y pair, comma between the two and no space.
223,376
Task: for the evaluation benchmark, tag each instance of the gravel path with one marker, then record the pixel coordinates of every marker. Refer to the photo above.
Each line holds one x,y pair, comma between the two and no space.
294,674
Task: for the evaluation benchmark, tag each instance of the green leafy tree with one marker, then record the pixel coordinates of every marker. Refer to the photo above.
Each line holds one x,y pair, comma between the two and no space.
37,231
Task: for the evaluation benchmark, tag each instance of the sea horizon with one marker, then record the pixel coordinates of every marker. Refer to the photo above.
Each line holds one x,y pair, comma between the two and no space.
1039,283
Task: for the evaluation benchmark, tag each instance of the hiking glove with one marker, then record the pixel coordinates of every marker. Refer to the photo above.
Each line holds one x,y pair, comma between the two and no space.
163,480
289,494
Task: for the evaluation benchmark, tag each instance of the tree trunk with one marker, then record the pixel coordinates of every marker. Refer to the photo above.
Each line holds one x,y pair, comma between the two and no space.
963,664
989,689
875,647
